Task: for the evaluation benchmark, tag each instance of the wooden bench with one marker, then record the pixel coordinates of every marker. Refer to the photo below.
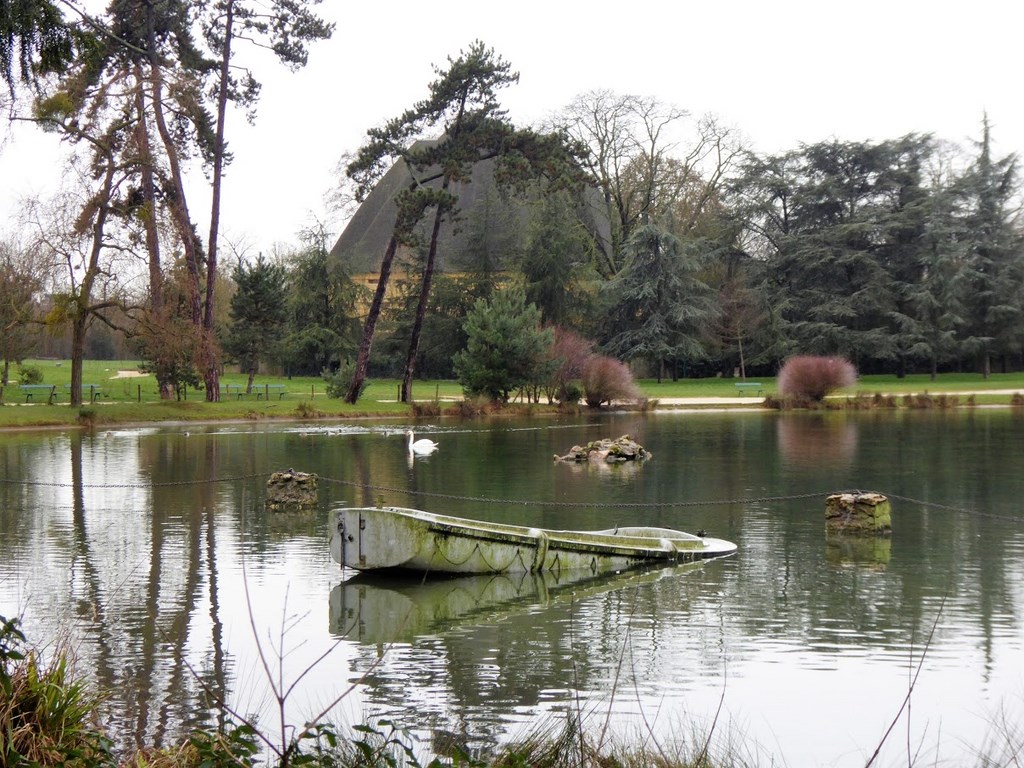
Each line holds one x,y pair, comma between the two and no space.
259,390
94,391
235,389
29,390
744,386
267,389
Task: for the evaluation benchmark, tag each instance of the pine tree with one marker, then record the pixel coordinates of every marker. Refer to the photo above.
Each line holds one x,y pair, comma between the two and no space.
259,311
661,304
994,254
506,347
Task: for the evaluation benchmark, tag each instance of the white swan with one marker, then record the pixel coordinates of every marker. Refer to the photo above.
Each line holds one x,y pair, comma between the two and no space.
422,446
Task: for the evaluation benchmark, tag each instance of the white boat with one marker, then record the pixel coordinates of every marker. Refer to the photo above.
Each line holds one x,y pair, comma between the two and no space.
369,538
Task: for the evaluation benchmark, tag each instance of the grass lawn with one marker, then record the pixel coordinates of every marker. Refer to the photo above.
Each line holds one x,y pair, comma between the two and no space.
133,398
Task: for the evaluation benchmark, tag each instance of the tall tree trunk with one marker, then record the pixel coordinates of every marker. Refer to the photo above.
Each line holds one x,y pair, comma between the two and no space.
164,381
211,360
177,201
421,306
77,355
83,297
363,355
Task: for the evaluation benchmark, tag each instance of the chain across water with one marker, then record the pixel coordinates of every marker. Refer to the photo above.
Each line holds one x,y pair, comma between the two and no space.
524,502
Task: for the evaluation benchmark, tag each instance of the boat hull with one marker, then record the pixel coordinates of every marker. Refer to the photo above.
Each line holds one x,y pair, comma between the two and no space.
370,538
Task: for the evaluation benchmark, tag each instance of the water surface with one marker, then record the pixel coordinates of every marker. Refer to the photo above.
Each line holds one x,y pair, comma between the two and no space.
153,550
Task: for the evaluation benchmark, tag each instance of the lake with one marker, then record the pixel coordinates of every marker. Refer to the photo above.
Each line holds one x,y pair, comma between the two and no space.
150,549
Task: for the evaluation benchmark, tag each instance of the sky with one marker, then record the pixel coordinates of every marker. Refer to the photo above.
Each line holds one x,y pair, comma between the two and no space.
781,72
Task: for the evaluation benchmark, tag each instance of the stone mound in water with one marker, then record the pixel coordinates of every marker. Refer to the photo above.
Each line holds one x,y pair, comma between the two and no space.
621,449
291,491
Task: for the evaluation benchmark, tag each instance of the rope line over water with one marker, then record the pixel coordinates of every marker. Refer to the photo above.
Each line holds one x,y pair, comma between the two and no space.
519,502
556,503
44,484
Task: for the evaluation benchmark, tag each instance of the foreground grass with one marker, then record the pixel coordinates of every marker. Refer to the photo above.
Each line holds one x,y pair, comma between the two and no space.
134,399
50,715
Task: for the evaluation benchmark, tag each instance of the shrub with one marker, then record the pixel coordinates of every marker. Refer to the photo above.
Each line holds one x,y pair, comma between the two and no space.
87,417
921,400
47,715
11,650
30,374
338,383
469,408
506,348
605,379
569,354
305,410
426,409
813,377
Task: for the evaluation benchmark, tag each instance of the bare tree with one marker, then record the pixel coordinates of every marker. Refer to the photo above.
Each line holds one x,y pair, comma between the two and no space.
20,283
650,161
71,232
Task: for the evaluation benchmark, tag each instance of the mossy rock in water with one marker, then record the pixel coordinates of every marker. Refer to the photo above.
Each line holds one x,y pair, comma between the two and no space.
621,449
291,490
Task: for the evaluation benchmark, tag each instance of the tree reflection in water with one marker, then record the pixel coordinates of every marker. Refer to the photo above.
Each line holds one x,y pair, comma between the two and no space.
136,616
134,542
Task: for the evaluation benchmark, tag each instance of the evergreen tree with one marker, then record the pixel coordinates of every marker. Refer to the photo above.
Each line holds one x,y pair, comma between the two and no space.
839,226
933,313
506,346
35,40
463,104
557,262
259,311
322,310
661,304
994,254
491,240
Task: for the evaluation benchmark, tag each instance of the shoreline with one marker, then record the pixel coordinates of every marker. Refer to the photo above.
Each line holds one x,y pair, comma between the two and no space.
719,404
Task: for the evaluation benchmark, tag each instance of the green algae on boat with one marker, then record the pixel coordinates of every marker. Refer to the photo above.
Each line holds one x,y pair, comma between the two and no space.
368,538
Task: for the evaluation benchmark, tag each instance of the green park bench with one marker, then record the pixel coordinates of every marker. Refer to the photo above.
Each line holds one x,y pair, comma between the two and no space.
269,389
235,389
260,391
94,391
749,386
31,390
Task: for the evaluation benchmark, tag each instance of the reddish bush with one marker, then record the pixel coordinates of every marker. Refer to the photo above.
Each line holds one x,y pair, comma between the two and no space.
605,379
814,377
570,353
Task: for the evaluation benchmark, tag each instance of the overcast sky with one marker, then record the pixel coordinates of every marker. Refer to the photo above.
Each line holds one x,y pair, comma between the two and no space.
781,72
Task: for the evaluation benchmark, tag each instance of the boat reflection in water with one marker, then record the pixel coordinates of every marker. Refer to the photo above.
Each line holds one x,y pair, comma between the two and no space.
390,607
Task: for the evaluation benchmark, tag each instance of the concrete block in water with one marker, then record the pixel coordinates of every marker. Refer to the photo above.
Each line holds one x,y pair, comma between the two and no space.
858,514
